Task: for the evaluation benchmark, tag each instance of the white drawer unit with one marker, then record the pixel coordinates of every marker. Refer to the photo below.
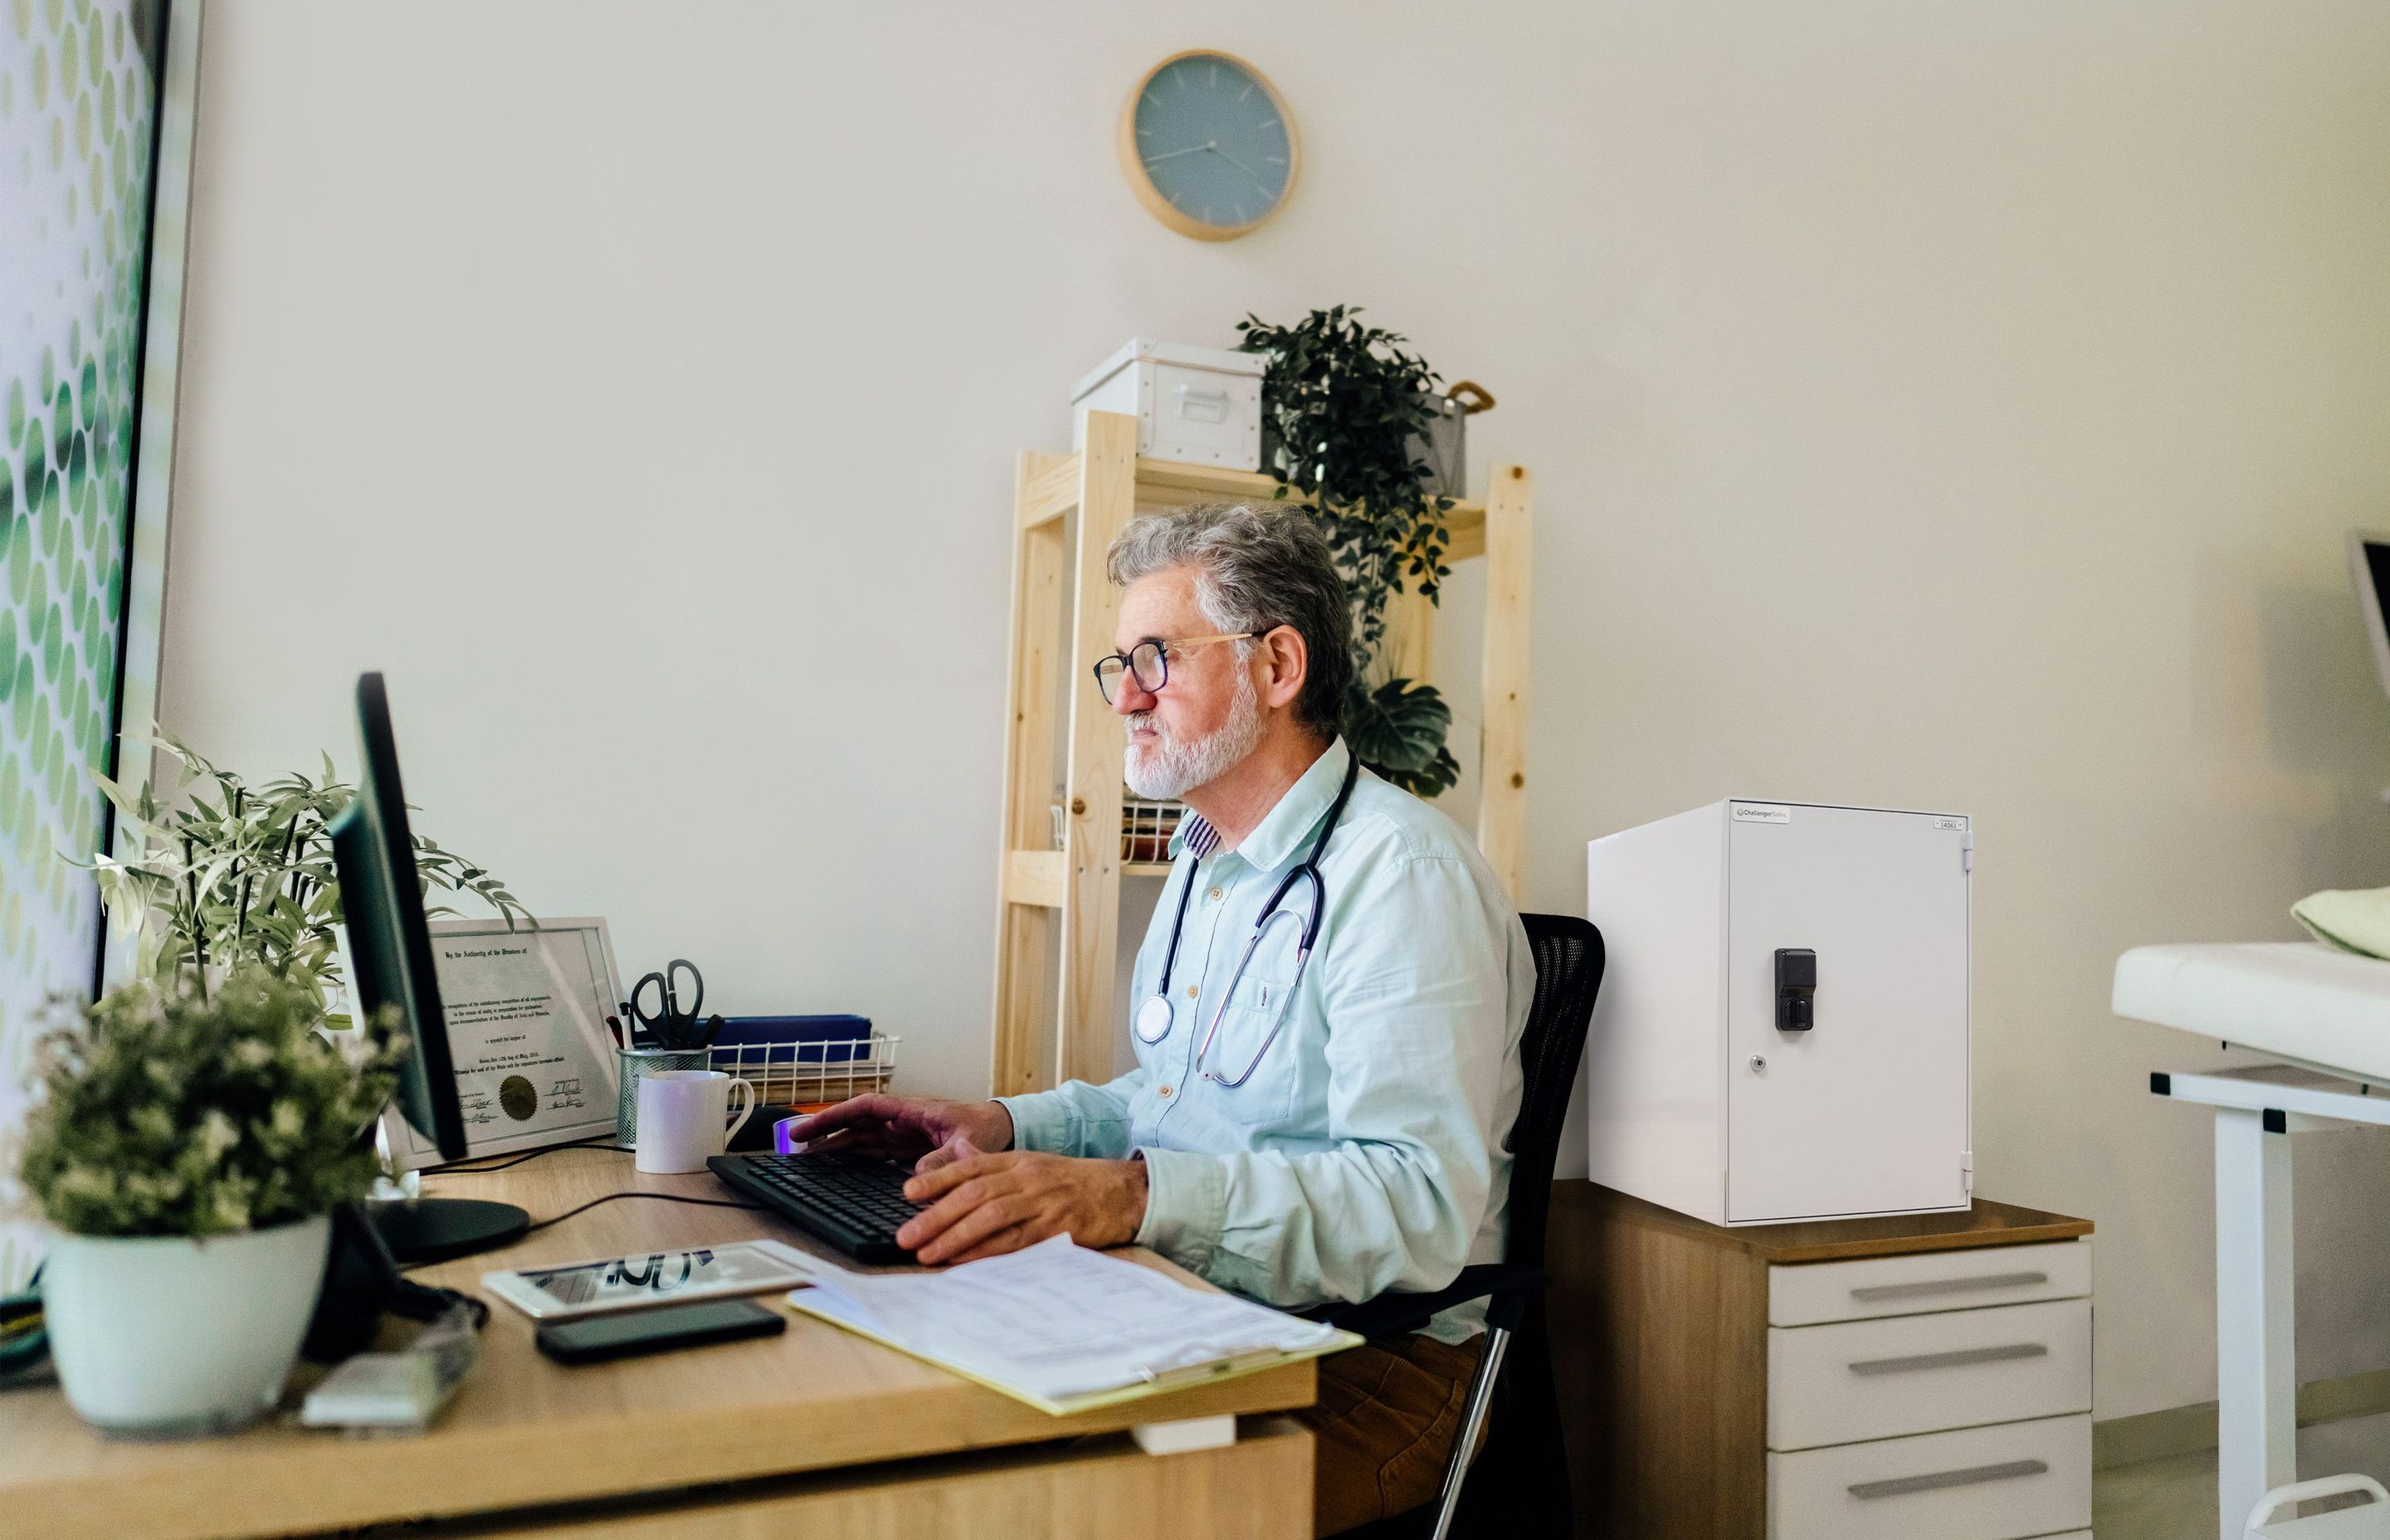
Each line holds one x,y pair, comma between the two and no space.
1920,1374
2007,1481
1928,1280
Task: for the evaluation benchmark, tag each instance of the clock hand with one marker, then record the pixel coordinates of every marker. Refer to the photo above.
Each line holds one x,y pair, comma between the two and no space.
1174,154
1250,172
1214,148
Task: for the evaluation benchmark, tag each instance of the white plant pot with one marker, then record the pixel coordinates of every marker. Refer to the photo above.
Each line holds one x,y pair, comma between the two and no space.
167,1336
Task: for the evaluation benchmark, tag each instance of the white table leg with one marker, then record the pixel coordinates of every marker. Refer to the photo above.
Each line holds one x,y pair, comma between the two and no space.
2256,1386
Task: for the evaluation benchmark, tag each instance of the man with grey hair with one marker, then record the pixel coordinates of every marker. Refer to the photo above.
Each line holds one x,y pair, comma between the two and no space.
1311,1119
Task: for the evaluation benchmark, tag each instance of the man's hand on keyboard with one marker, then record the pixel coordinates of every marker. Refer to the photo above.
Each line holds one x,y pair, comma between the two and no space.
989,1204
904,1128
960,1147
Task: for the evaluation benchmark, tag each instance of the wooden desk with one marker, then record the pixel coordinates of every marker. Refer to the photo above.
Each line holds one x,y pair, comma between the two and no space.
814,1431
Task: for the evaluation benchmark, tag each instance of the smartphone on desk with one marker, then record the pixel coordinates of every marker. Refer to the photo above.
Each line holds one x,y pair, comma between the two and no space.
599,1337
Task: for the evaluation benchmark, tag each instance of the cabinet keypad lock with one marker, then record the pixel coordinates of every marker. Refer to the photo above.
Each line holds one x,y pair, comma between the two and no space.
1796,983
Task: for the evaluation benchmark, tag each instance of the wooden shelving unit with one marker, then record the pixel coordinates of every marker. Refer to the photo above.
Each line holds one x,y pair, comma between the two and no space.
1064,609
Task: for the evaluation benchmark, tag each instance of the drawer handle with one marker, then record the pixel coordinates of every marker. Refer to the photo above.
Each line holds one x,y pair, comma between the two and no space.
1953,1360
1900,1487
1879,1292
1196,405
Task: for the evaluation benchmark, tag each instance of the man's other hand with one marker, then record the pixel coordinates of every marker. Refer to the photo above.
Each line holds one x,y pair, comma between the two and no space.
904,1128
989,1204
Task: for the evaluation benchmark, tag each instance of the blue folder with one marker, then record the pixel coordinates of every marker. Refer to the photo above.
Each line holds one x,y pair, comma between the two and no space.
798,1039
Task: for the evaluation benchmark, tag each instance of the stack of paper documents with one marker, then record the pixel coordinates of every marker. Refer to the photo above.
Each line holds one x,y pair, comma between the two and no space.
1064,1328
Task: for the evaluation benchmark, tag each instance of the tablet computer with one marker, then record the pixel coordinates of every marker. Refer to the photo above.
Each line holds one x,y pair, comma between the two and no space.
607,1284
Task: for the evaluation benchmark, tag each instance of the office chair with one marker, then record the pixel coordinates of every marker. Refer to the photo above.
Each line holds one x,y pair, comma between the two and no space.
1521,1488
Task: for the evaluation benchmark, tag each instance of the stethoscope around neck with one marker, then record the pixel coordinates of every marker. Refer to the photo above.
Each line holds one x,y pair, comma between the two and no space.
1156,1015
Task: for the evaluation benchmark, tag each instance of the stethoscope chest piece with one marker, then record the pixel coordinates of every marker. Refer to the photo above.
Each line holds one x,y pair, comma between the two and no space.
1154,1018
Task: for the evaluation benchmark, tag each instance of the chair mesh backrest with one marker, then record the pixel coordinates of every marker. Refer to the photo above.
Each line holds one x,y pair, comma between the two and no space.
1568,974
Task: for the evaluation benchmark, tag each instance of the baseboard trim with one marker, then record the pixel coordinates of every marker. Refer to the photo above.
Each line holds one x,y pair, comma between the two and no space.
2191,1430
2121,1441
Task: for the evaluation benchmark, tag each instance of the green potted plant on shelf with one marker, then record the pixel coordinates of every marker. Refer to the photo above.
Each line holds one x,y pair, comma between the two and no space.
194,1129
1345,412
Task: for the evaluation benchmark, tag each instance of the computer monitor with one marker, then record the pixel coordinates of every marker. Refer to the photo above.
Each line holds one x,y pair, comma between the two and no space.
389,964
2369,568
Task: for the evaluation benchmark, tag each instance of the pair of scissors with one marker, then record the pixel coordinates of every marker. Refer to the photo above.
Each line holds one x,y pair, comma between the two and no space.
669,1023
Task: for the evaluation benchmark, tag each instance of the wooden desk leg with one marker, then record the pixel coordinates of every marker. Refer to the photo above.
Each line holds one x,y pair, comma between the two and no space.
2256,1387
1187,1434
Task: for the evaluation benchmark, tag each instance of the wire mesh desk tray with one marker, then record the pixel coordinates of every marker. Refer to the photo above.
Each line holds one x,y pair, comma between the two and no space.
811,1073
1146,827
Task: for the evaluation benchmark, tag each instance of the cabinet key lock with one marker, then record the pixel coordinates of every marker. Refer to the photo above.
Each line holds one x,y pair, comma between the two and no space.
1797,985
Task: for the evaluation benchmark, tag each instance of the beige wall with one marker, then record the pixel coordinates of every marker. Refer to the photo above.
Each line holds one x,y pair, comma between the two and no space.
1942,404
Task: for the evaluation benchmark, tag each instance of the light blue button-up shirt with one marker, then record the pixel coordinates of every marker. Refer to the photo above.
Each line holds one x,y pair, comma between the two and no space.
1365,1152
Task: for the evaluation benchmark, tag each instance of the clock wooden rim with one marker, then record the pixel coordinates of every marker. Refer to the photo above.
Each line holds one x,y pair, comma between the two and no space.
1141,183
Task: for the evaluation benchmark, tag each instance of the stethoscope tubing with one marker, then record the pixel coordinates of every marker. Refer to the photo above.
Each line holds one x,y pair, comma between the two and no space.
1308,869
1285,1002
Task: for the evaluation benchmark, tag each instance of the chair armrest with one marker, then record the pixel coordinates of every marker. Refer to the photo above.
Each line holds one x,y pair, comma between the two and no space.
1392,1315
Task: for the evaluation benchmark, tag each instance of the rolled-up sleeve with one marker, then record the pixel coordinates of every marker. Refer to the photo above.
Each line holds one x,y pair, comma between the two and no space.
1416,992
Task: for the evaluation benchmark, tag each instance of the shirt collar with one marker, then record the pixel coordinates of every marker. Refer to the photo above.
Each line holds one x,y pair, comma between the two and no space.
1285,825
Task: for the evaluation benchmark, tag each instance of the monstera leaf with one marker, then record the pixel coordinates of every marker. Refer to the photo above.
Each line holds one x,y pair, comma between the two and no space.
1397,730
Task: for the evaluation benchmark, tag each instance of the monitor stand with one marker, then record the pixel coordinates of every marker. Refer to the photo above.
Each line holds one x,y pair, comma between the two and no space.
433,1229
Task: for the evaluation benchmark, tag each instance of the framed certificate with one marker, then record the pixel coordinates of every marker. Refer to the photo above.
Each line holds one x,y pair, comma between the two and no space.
526,1011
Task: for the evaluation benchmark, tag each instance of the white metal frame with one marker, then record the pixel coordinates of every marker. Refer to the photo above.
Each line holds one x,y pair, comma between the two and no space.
2262,1528
2256,1382
160,402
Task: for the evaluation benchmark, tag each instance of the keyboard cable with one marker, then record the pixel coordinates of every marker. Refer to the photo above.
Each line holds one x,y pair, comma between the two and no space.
659,1196
612,1197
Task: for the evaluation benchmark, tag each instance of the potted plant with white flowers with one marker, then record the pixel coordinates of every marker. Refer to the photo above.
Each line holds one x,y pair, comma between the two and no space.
189,1146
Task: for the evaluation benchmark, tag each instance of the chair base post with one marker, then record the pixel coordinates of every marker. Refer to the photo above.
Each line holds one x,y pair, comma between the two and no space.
1472,1426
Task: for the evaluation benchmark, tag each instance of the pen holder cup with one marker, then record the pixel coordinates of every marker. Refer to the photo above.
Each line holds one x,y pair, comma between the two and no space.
636,1062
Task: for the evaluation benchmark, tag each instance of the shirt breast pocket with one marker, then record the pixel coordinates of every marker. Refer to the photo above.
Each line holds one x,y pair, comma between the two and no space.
1255,1045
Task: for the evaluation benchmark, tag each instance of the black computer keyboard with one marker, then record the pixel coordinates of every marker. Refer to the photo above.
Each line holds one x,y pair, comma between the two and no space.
854,1202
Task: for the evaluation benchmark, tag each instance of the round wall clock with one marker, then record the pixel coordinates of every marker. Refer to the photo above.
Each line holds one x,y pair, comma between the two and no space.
1208,145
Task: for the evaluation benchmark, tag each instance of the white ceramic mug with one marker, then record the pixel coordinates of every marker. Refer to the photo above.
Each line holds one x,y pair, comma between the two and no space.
685,1117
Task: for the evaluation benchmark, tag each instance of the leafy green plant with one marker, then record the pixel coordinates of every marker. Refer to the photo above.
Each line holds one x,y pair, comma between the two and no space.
172,1112
235,875
1344,403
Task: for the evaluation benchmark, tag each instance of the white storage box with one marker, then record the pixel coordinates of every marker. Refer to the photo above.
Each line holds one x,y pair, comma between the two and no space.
1199,405
1718,1085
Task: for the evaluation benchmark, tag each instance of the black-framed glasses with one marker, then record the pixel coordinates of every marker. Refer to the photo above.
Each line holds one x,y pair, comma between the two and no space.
1149,661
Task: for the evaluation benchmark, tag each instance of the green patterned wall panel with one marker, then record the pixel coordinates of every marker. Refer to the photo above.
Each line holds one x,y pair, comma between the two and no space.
78,99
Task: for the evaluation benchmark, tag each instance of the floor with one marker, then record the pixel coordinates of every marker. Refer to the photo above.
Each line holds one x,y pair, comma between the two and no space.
2175,1499
2169,1499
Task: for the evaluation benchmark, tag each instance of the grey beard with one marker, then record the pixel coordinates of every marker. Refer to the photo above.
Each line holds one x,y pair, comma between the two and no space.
1172,769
